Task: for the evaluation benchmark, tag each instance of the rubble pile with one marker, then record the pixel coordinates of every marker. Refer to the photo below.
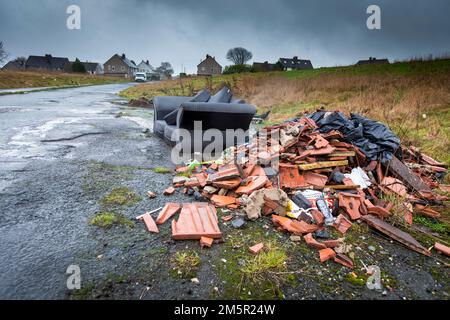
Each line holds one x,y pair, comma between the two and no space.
322,171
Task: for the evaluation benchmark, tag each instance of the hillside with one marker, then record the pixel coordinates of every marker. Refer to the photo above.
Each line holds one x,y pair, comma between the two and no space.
413,98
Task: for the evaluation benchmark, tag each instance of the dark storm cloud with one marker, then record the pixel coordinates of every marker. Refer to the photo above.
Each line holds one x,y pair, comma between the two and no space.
182,32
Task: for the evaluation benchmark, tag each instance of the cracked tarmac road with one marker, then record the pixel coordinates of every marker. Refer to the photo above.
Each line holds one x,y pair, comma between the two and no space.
60,152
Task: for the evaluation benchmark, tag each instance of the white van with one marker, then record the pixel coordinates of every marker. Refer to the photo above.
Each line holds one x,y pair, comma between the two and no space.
140,77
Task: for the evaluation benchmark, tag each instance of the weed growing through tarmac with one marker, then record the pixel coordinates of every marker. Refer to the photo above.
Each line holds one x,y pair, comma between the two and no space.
120,197
161,170
185,263
433,224
108,219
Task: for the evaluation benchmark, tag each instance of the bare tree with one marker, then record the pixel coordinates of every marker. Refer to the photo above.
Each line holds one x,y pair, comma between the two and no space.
165,69
3,54
239,55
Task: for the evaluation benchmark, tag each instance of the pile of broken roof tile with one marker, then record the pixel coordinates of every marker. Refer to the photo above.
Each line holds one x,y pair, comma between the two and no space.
309,180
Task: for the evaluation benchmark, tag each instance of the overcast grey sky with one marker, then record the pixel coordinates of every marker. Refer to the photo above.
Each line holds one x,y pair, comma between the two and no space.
329,32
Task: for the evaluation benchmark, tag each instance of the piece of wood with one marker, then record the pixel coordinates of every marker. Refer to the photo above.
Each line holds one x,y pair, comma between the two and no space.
342,154
322,164
402,172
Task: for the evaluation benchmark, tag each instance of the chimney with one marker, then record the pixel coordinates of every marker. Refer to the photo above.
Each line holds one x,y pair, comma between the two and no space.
147,62
123,56
208,56
295,58
48,57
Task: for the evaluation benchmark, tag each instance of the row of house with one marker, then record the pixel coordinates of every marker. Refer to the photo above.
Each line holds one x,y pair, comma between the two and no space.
117,65
209,66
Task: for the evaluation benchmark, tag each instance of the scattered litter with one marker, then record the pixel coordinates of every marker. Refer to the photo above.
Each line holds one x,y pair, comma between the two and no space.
195,280
151,194
238,223
309,174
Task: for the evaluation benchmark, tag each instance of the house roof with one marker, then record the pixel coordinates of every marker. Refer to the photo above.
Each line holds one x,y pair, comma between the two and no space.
209,59
295,63
47,62
373,61
145,64
14,63
91,66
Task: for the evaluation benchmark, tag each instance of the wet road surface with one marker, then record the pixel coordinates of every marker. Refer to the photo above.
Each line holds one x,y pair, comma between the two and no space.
59,153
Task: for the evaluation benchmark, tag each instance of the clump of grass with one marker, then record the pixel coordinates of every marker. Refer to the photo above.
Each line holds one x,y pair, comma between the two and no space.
185,263
433,224
161,170
121,196
108,219
358,280
273,259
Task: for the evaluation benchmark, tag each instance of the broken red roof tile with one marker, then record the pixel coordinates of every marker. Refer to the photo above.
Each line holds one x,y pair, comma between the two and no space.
206,242
378,211
395,233
442,248
149,222
322,151
222,201
201,177
227,218
326,254
444,187
394,185
169,191
256,248
254,183
344,260
333,243
287,224
310,241
315,179
167,212
426,211
351,203
196,220
192,182
342,224
290,177
317,216
320,142
182,169
225,174
228,184
303,227
401,171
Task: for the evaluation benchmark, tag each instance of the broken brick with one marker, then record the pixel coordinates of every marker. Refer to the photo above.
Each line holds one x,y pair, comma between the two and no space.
342,224
351,203
225,174
256,248
326,254
206,242
332,243
222,201
149,222
167,212
169,191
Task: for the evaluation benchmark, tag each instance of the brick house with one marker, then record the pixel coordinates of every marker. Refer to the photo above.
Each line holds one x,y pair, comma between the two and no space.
295,64
209,67
120,66
48,63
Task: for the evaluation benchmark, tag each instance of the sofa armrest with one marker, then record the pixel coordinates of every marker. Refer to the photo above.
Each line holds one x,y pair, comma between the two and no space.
165,105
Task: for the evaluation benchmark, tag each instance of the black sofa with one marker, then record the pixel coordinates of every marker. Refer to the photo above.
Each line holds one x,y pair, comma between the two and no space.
220,111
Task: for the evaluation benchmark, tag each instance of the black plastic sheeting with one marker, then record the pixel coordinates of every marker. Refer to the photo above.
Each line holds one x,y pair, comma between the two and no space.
374,139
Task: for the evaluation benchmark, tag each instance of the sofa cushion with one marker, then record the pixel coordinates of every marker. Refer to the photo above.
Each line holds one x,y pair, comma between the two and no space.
224,95
171,118
201,96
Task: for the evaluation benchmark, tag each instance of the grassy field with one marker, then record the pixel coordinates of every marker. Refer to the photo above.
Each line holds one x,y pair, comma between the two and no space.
25,79
413,98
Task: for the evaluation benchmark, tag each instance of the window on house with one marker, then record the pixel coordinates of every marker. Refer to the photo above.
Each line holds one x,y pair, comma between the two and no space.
113,68
123,68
